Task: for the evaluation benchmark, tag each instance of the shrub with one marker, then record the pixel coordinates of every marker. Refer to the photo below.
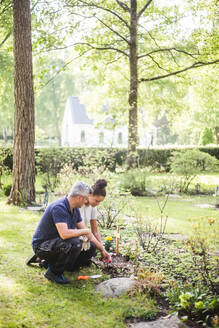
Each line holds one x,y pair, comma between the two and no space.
197,305
189,163
136,181
147,282
208,137
4,168
149,231
109,211
7,189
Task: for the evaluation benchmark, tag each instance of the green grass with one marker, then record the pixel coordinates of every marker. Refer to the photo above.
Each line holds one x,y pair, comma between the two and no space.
181,212
28,300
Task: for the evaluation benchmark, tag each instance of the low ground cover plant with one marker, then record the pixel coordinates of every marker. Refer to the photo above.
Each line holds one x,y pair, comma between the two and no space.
184,271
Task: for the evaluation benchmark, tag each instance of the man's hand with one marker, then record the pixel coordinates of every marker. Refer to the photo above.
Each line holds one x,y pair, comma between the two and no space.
106,257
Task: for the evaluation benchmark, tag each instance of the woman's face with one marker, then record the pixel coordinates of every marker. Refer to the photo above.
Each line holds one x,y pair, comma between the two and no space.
95,200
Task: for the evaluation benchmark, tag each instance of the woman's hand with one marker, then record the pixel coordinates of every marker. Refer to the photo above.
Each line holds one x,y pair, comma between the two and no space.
106,257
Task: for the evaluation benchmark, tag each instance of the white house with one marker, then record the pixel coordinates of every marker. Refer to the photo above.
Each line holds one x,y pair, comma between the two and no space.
79,131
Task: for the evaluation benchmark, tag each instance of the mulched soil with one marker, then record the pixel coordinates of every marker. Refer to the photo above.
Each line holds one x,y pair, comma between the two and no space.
119,267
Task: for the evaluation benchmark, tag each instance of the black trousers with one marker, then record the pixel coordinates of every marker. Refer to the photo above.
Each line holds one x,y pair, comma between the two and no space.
64,255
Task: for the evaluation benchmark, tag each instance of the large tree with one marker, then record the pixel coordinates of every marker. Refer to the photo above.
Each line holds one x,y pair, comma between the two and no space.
6,68
148,38
23,189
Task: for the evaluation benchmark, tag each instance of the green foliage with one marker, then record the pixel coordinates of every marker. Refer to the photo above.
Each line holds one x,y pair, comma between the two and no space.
198,306
110,158
4,168
109,244
189,163
49,162
109,211
202,253
7,189
208,137
136,181
144,309
150,232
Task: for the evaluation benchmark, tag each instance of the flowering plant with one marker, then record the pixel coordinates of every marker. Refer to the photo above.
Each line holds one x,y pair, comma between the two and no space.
108,243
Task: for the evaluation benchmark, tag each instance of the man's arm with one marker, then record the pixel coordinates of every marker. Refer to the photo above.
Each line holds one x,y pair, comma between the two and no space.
66,233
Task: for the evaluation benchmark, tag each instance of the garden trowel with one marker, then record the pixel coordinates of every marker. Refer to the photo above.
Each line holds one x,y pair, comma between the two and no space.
89,277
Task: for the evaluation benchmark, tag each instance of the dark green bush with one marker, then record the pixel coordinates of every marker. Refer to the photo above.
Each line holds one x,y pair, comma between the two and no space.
158,158
189,163
7,189
136,181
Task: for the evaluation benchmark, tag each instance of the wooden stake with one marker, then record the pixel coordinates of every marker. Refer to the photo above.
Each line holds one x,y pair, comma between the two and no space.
117,240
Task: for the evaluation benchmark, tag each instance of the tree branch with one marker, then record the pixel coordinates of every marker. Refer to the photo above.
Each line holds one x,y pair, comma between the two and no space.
195,65
112,30
6,38
158,64
5,8
169,49
143,9
103,48
63,67
123,5
88,4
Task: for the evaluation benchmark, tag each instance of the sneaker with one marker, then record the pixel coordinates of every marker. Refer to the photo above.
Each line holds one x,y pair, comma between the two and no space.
32,259
59,279
65,280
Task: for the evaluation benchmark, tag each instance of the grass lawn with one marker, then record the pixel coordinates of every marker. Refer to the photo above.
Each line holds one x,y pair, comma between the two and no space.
28,300
181,212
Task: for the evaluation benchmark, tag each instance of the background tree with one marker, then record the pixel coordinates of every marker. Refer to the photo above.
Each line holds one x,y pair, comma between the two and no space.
53,86
23,190
147,38
6,69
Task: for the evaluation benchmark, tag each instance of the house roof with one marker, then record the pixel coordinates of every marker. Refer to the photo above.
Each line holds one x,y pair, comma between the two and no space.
78,111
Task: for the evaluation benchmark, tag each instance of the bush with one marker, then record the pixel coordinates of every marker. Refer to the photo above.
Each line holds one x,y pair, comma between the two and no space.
189,163
4,168
157,158
136,181
109,211
7,189
208,137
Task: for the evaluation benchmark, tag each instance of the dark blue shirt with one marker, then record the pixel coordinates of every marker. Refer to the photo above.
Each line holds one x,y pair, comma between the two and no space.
56,212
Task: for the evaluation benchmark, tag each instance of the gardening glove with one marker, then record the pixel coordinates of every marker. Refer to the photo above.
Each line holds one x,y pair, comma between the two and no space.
85,243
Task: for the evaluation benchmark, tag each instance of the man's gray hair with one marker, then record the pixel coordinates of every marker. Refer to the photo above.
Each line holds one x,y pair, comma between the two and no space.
80,188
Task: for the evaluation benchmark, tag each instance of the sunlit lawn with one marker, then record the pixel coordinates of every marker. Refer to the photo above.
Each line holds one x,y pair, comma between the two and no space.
181,212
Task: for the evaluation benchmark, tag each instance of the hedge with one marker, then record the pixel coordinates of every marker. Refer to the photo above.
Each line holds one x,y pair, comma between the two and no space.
56,158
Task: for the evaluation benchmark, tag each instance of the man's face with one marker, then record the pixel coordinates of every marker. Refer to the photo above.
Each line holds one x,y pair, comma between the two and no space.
81,200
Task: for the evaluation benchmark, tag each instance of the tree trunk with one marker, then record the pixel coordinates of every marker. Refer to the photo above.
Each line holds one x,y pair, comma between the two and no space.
216,133
5,134
133,92
23,190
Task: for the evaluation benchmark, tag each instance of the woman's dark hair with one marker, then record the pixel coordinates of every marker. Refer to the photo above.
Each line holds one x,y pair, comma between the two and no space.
99,188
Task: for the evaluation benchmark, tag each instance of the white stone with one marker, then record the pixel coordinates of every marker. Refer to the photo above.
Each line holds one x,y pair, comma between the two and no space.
115,287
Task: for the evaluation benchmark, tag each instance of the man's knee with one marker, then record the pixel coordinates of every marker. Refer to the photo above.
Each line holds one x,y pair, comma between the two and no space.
75,243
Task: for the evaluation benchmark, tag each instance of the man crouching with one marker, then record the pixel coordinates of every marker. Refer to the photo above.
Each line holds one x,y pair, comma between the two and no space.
57,236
